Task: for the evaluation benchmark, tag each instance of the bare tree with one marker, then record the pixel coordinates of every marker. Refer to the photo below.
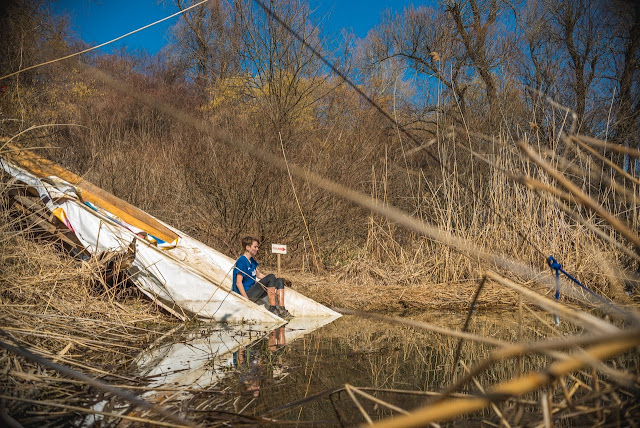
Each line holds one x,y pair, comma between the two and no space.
475,26
423,39
539,67
208,41
627,73
284,75
575,30
461,45
30,34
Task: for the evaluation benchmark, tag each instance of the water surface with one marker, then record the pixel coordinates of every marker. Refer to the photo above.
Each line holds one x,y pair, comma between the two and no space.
269,371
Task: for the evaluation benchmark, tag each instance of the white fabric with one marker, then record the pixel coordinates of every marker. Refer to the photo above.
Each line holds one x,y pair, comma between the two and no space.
188,279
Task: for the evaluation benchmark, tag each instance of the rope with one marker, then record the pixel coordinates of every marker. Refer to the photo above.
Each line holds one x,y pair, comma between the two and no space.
306,226
103,44
249,276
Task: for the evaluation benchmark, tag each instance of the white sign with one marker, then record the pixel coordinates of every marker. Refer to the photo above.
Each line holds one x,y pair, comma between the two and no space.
278,249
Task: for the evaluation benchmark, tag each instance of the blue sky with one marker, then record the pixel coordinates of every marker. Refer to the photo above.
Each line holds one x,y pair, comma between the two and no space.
97,21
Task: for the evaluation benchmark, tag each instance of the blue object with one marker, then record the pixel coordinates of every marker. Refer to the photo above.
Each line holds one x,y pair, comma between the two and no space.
554,265
248,269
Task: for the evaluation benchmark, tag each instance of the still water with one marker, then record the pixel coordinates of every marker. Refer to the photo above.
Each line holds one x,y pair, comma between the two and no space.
297,372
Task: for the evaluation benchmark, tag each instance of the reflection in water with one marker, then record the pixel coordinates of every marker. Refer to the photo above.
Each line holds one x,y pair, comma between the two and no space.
258,368
188,359
350,350
259,371
185,362
267,352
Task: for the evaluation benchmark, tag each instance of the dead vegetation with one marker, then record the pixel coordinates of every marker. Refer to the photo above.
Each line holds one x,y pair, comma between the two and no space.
476,216
68,311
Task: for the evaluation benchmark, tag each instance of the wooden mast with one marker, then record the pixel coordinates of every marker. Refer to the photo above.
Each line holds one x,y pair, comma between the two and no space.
89,192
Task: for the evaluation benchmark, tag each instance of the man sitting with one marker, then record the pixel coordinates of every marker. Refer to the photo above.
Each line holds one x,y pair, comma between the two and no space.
251,283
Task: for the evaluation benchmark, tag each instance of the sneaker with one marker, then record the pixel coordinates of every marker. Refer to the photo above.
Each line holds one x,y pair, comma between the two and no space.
274,310
284,313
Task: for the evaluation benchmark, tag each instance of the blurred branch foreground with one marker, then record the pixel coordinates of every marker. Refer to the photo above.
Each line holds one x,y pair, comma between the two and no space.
598,339
474,195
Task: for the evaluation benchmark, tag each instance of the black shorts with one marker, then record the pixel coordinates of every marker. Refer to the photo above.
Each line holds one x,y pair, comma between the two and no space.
258,290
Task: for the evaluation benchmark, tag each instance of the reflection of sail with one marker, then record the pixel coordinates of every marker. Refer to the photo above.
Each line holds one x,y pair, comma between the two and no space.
299,326
198,359
192,360
186,361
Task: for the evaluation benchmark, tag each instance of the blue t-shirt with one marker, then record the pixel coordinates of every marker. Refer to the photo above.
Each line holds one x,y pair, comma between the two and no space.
246,267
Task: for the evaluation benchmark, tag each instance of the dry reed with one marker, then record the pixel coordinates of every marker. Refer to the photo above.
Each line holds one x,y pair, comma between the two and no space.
69,311
389,270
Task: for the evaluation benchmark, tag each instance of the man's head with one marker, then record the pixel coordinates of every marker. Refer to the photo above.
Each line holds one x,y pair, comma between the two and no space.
248,244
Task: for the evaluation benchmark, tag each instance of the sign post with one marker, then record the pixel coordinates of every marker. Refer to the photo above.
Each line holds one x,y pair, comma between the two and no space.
278,249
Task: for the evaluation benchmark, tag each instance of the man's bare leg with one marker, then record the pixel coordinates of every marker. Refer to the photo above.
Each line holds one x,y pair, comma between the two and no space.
271,294
281,297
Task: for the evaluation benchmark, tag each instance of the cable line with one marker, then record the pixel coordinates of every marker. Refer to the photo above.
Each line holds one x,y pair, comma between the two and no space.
103,44
360,92
317,54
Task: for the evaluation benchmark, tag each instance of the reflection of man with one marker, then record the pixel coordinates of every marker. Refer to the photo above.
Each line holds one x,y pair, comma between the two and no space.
277,339
251,283
247,361
252,360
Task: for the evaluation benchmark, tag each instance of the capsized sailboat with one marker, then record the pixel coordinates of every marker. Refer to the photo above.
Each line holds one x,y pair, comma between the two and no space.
184,276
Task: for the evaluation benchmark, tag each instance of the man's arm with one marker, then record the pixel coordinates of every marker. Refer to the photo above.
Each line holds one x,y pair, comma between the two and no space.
240,286
259,275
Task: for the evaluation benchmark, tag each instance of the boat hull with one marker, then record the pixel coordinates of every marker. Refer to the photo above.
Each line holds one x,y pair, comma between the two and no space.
186,277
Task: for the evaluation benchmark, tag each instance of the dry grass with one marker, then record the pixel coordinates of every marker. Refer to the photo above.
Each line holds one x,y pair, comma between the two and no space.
216,194
201,184
38,276
64,310
361,286
396,270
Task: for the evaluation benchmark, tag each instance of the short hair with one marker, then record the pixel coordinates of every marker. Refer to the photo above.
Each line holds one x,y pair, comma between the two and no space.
247,241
